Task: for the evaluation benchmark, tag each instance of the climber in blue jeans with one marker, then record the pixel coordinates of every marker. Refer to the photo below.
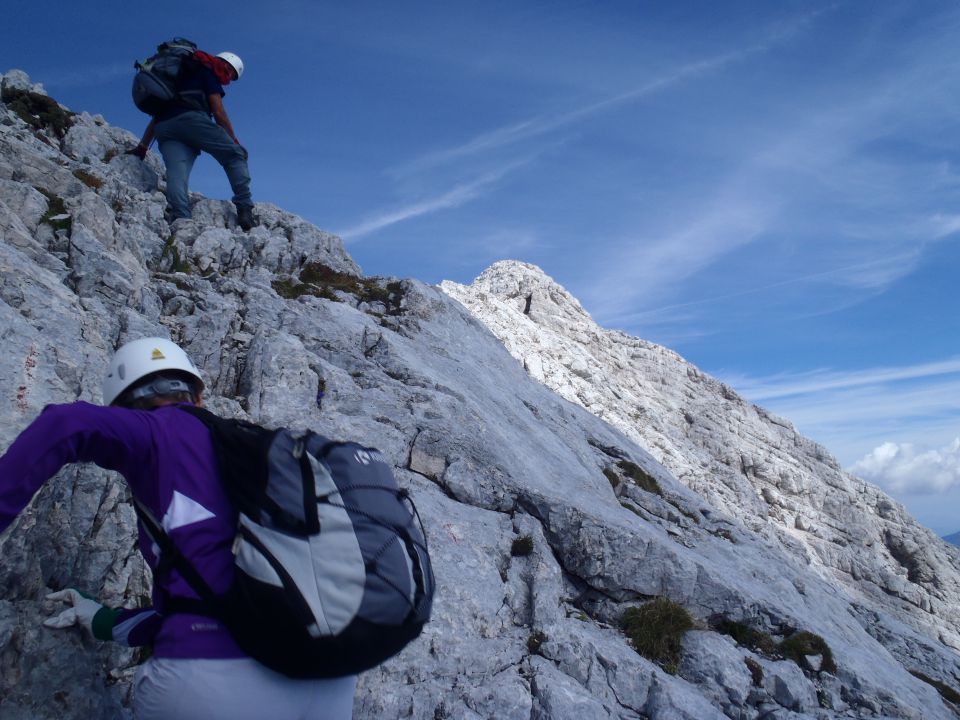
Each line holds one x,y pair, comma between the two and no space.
196,121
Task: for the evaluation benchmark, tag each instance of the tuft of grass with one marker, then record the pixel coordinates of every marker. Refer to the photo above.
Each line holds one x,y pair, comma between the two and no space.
177,264
946,692
291,289
799,645
535,641
756,640
632,508
91,181
56,209
39,111
756,672
522,546
612,476
642,478
318,280
656,631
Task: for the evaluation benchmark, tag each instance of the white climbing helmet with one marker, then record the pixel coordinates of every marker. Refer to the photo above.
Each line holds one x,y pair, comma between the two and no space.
143,357
235,62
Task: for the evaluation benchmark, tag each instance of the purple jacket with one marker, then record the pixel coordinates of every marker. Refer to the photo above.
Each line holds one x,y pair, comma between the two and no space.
166,456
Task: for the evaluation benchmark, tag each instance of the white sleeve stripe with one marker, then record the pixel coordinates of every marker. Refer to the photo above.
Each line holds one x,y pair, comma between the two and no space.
121,631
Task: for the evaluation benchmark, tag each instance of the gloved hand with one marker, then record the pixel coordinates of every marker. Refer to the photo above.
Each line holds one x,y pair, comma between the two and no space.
140,151
83,611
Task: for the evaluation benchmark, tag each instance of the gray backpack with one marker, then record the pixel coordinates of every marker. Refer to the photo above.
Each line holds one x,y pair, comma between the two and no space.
332,574
157,83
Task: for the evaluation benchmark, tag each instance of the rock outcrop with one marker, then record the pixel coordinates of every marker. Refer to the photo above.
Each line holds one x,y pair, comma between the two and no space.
743,459
545,522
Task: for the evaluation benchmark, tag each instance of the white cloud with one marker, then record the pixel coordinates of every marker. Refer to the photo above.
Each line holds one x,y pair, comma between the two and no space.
537,126
903,468
648,268
666,313
818,381
459,195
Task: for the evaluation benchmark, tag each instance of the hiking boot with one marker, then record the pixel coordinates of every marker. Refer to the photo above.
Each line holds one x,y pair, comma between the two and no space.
245,217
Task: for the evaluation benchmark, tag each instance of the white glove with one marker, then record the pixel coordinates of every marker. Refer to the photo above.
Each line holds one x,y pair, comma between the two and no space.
81,613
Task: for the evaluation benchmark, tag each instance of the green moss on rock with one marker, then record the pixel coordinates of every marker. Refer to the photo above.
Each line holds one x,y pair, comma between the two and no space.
946,692
642,478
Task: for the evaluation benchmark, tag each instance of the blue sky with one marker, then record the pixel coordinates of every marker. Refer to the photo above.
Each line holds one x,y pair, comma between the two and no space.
769,188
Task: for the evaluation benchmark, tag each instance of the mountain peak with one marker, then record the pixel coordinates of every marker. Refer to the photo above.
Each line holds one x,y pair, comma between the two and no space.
525,289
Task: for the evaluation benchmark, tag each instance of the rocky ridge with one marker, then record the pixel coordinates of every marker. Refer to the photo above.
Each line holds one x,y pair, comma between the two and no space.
545,522
743,459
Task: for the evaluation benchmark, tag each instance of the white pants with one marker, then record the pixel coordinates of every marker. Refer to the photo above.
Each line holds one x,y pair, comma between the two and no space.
242,689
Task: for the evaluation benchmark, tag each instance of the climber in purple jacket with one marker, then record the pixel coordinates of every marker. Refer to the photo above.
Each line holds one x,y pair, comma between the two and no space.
166,456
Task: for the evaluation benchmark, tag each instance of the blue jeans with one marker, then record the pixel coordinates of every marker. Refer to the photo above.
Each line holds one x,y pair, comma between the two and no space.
181,139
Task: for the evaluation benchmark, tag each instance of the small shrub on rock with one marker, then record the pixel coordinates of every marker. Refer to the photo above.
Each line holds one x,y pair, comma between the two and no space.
522,546
56,215
756,640
656,631
535,641
39,111
799,645
318,280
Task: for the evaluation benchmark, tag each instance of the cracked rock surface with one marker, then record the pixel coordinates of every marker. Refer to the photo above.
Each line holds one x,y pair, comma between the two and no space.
743,460
545,522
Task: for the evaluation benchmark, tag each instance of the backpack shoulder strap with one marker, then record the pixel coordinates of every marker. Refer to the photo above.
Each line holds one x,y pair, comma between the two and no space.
170,556
242,450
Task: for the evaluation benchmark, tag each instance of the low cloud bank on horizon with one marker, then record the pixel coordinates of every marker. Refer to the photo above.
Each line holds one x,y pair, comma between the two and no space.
902,467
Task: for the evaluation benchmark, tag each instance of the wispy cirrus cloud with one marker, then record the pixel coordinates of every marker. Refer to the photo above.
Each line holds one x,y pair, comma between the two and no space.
784,385
645,269
456,196
487,146
813,181
860,269
535,127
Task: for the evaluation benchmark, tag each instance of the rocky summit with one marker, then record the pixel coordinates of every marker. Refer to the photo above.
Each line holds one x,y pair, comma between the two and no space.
614,533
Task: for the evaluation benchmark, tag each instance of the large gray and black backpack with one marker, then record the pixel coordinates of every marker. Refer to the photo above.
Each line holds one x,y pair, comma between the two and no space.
157,83
332,571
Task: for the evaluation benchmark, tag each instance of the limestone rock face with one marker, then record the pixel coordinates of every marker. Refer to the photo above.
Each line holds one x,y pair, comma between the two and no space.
544,521
742,459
